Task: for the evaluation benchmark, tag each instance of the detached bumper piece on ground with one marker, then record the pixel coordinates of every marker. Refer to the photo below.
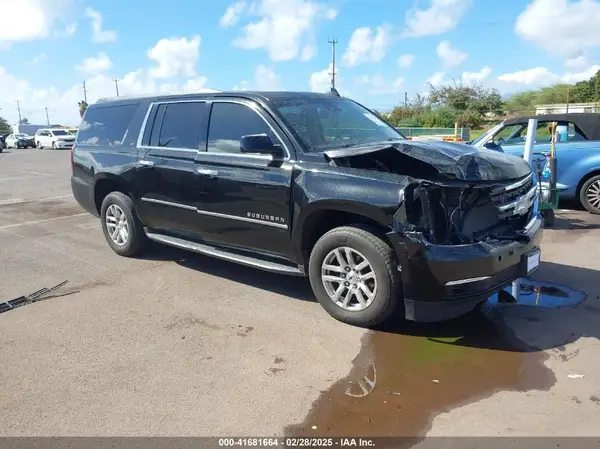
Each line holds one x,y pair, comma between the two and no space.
36,296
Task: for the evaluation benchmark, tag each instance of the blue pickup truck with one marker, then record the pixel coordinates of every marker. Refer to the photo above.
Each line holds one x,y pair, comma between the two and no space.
577,150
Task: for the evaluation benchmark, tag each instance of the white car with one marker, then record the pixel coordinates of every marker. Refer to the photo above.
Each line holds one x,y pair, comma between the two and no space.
54,138
19,140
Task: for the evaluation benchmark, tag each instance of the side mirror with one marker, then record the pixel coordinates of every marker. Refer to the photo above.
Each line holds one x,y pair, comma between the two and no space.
259,144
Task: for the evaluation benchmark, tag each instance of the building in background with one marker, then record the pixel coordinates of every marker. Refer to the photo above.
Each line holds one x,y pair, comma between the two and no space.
564,108
27,129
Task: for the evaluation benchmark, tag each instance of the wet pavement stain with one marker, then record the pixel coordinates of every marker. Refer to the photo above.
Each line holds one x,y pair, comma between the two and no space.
544,294
405,376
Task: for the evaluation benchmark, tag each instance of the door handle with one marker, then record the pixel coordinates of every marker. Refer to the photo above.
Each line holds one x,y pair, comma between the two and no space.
145,164
207,172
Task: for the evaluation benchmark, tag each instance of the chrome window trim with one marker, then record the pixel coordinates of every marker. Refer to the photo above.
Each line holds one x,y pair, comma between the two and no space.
245,219
249,104
167,203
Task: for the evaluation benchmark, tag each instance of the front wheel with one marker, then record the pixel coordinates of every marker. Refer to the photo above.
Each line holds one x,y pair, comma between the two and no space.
122,228
590,195
38,144
354,275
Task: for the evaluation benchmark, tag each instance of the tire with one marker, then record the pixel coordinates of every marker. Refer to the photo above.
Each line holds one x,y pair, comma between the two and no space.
136,241
589,195
38,144
54,145
383,262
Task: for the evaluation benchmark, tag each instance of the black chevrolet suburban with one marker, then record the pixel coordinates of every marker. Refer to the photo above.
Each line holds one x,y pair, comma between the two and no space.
313,185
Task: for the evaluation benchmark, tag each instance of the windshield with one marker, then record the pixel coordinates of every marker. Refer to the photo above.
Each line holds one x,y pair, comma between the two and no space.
486,135
20,136
60,132
325,123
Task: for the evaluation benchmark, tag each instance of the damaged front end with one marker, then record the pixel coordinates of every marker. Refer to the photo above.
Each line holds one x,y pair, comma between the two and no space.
466,226
459,244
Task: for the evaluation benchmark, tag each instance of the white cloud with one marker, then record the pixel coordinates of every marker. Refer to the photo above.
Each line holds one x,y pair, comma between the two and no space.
561,27
405,61
536,76
308,52
321,81
476,77
98,34
266,78
68,31
232,14
580,76
41,16
441,16
378,85
283,28
437,79
449,56
95,64
367,45
579,61
176,56
38,58
541,76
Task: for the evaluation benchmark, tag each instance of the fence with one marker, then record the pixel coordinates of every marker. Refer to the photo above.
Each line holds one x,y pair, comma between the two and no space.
463,133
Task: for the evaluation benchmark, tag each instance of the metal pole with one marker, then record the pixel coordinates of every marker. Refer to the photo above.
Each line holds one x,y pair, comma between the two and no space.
116,80
596,92
47,118
405,100
528,156
333,42
19,110
84,92
568,92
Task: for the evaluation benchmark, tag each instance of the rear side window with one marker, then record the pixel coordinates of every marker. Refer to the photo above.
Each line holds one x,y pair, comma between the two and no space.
106,125
183,125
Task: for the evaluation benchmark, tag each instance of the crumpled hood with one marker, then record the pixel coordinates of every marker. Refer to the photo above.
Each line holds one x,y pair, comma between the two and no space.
455,160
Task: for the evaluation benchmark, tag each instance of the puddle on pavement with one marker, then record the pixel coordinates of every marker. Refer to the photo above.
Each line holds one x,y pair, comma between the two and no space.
404,377
544,294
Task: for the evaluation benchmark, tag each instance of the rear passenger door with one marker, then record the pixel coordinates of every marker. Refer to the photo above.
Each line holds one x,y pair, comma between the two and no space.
246,198
168,192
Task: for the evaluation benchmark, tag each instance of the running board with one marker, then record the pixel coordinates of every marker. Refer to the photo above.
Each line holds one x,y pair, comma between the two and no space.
209,250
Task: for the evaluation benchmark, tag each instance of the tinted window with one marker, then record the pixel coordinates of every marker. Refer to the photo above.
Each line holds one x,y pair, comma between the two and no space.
184,126
60,132
229,122
105,125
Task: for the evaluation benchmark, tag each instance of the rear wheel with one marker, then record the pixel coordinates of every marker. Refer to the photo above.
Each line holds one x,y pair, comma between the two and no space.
38,144
122,229
354,275
590,195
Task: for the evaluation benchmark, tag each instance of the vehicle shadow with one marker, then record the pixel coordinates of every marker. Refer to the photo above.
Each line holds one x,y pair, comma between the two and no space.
565,221
292,286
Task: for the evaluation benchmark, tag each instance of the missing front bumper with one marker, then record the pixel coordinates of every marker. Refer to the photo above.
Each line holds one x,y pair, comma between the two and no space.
442,282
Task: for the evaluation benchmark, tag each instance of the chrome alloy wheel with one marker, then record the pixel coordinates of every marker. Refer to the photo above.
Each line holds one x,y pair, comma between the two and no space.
349,279
592,194
117,225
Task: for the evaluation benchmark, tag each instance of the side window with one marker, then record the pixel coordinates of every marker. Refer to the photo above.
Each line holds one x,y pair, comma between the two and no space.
184,126
105,125
229,122
574,133
511,135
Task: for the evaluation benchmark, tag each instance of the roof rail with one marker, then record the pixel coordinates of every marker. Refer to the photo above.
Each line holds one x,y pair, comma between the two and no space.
161,94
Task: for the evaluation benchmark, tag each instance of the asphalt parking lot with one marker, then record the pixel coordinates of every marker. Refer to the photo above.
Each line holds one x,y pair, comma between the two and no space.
180,344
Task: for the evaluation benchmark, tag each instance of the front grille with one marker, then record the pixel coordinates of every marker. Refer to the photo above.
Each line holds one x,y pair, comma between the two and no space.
515,200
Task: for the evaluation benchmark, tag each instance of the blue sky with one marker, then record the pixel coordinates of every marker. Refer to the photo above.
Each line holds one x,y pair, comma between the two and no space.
386,47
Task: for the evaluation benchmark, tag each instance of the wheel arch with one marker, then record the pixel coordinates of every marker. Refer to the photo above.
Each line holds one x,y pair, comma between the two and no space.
584,179
106,183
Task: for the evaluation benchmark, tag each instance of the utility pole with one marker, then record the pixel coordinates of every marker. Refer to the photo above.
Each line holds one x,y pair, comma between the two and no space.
84,92
47,118
405,100
596,92
568,93
19,110
116,80
333,42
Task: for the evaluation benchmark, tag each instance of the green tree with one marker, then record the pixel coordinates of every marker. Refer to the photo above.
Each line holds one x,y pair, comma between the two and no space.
82,107
24,121
4,125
